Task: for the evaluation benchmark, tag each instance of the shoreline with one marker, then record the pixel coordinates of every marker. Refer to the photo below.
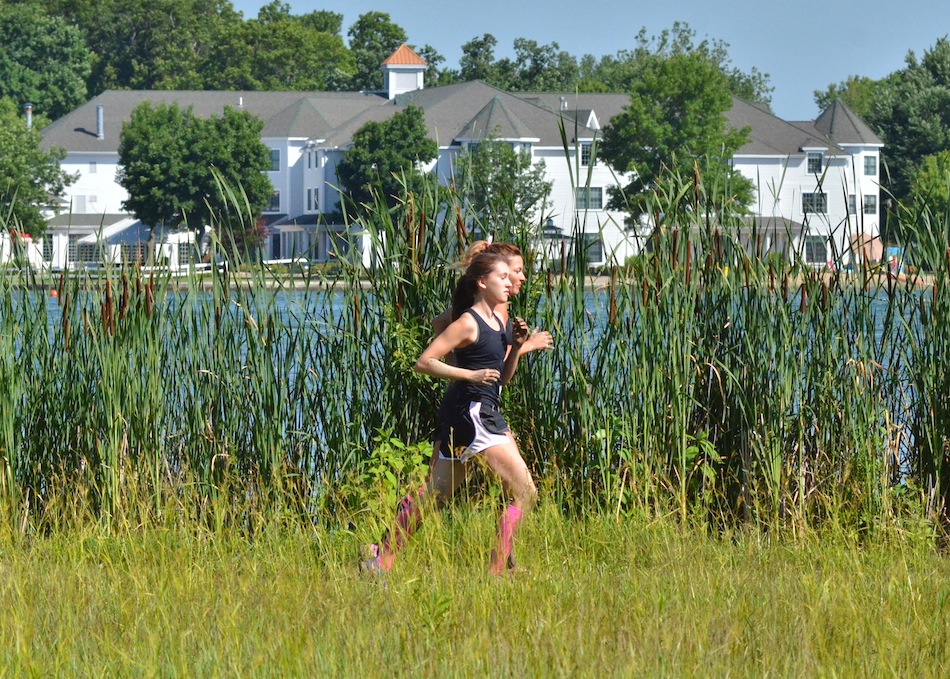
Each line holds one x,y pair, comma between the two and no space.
593,282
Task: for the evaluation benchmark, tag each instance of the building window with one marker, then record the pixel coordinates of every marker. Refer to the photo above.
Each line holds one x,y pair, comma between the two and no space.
852,205
870,166
816,250
273,205
316,200
187,254
92,167
585,153
47,248
815,162
590,198
593,248
309,160
816,203
275,160
72,248
870,204
309,200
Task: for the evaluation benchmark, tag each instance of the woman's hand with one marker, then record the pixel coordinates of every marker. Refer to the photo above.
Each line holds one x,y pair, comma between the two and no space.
520,331
485,377
537,340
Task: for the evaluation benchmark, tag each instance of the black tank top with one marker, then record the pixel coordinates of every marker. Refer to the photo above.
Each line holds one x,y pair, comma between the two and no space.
487,351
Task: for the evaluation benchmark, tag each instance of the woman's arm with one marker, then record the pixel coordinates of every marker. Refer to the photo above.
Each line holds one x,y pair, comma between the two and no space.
460,333
519,335
538,339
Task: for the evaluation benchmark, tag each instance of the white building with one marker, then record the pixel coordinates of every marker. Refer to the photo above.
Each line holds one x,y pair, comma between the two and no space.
307,133
817,183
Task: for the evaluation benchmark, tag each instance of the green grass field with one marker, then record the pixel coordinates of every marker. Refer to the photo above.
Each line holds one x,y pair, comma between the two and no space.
595,597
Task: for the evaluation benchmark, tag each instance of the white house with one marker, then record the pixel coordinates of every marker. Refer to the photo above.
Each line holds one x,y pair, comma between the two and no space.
816,188
817,182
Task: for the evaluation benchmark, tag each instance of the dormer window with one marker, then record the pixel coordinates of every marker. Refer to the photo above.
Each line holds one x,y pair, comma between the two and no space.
815,162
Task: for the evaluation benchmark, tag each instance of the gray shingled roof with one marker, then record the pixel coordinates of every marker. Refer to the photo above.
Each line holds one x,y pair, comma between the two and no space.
449,113
335,116
495,120
840,124
85,221
284,114
771,135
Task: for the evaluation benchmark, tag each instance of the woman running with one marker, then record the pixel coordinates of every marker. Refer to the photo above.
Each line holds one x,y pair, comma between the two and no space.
470,421
537,339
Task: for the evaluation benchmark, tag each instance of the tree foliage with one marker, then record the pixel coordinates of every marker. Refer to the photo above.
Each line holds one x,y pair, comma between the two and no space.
676,115
31,181
502,185
930,184
44,60
164,44
168,157
858,92
387,155
478,60
912,115
285,52
435,76
547,68
373,38
539,68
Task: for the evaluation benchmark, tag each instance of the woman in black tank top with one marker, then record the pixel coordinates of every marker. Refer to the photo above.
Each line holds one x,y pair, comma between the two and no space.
472,423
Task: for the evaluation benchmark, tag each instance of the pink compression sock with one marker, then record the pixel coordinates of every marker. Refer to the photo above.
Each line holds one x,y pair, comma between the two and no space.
506,536
408,518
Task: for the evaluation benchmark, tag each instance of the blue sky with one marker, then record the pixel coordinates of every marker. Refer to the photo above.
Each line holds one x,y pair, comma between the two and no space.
803,46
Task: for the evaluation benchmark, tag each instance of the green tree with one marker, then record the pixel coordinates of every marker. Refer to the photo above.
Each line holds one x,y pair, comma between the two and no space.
284,52
372,39
31,180
620,72
542,68
435,76
676,117
388,156
44,60
930,184
163,44
858,92
912,115
478,60
167,159
502,185
323,21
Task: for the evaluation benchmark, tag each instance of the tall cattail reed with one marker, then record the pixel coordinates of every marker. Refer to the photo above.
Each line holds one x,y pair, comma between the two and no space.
702,380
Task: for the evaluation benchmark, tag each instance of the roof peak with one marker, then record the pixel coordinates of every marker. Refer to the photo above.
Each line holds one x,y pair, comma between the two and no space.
844,126
404,56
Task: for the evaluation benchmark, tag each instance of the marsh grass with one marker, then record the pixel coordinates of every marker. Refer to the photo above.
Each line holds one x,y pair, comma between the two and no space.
594,596
709,382
742,467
